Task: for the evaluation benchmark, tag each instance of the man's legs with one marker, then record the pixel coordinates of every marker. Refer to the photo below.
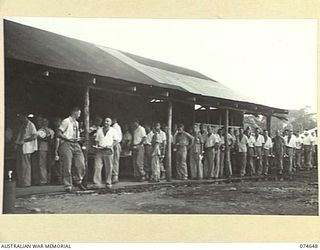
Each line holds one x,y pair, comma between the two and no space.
147,159
221,167
298,159
155,168
242,163
259,160
98,165
194,162
80,167
116,158
265,161
24,169
217,164
108,164
307,156
43,161
250,161
66,160
182,162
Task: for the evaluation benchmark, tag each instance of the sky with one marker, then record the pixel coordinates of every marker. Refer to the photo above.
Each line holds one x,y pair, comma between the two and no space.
273,62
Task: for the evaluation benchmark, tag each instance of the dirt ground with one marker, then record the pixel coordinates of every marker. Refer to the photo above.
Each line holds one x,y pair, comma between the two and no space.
265,197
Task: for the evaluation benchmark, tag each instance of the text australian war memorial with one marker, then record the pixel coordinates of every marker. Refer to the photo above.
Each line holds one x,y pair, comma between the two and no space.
83,115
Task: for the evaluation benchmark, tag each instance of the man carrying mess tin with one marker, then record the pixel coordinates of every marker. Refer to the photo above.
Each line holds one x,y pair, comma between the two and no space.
106,139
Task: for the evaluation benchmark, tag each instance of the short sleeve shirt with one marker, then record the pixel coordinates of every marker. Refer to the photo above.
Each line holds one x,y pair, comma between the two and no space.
210,141
138,135
242,144
70,128
268,143
24,133
106,140
149,137
259,141
251,141
117,127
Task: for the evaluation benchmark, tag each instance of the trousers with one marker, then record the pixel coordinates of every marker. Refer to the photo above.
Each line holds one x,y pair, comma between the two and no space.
116,158
242,160
102,159
250,156
196,168
181,162
209,162
71,152
23,166
138,161
258,164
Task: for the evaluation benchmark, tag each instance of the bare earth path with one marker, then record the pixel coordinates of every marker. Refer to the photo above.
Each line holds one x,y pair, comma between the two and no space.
295,197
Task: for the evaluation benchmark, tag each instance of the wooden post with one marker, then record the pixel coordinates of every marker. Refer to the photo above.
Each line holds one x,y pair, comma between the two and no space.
208,114
226,128
269,124
86,130
169,136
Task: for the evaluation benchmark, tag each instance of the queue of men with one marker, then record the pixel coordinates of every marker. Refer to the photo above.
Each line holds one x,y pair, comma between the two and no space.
56,156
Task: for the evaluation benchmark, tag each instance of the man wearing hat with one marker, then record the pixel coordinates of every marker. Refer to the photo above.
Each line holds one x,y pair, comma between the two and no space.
26,145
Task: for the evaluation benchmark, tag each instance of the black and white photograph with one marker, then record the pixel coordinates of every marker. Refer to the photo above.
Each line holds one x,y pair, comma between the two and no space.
160,116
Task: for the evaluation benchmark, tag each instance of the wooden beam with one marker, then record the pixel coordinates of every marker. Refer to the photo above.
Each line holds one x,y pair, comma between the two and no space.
169,138
86,129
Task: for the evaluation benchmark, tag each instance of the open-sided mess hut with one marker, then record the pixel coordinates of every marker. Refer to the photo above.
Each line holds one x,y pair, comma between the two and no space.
46,73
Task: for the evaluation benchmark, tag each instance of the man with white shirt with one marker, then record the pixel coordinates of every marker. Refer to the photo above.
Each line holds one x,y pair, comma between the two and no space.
267,147
139,136
258,144
70,150
148,150
217,153
307,142
163,145
106,139
250,153
26,145
209,153
290,141
298,151
116,151
241,147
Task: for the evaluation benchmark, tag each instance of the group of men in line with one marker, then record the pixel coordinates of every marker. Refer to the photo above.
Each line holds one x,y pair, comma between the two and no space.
203,150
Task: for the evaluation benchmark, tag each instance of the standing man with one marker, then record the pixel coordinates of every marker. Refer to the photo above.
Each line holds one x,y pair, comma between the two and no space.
217,153
209,154
45,135
57,173
155,154
279,146
116,151
267,147
106,140
70,150
139,136
298,151
182,142
258,144
195,153
291,144
163,147
241,145
148,150
26,145
250,154
307,142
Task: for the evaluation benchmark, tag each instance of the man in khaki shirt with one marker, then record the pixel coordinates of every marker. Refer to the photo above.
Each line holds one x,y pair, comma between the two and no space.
182,141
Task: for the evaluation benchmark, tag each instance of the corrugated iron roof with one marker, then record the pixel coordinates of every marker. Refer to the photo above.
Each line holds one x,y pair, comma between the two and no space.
42,47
